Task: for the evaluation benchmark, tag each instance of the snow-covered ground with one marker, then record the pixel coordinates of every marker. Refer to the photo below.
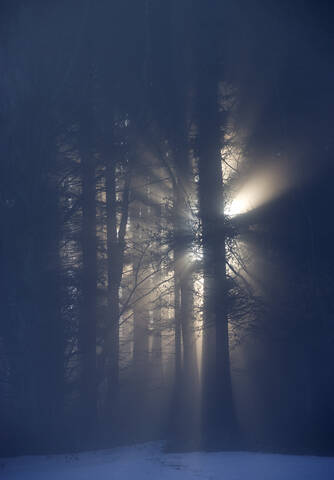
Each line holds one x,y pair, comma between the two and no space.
141,462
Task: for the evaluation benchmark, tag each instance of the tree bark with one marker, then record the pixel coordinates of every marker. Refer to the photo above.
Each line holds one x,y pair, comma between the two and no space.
219,420
115,258
89,298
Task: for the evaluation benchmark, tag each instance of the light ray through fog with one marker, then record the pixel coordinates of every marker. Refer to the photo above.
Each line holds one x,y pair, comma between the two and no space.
262,186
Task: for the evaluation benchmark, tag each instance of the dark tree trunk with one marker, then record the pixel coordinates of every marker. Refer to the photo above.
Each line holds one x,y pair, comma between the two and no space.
186,374
218,405
89,298
140,320
177,325
114,271
115,258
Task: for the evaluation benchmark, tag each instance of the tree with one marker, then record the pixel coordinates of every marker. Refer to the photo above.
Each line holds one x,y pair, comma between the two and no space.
218,406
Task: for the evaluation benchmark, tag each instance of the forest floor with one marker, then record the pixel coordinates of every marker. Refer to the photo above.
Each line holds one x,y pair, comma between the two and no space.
147,461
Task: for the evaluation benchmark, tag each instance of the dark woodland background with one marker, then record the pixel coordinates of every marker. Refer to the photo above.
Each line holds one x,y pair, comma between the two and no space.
135,306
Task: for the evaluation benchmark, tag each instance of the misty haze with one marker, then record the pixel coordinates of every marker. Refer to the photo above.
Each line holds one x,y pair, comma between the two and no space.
166,248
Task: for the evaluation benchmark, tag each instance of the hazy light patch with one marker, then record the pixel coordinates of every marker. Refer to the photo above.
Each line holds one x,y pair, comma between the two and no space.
237,256
263,186
232,158
196,253
198,314
242,203
242,262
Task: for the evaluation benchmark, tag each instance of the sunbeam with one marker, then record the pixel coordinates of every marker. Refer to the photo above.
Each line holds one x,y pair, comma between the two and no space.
262,186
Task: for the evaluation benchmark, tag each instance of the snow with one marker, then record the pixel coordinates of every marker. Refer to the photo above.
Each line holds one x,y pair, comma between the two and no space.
147,461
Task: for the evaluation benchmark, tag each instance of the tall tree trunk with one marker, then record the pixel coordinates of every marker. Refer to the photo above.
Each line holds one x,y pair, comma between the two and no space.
177,329
184,268
140,312
115,255
156,354
218,406
89,298
186,380
114,268
54,367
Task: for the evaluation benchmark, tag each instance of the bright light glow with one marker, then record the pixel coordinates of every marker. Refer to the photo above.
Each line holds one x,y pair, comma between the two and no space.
263,186
195,254
240,204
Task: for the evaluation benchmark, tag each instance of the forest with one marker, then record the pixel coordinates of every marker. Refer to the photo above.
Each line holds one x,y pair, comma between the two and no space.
166,247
